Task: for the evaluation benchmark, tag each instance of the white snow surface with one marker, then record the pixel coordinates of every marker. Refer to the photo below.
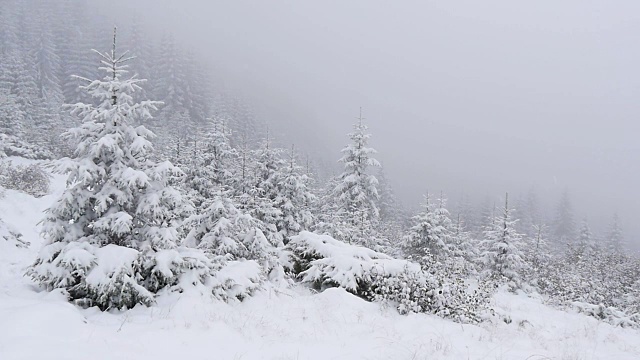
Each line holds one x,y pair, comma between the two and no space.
343,263
292,324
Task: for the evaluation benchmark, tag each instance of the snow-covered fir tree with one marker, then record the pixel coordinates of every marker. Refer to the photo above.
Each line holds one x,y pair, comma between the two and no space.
229,233
294,200
118,206
537,251
464,245
144,52
584,242
390,209
530,213
355,194
267,174
212,168
614,237
430,234
564,223
501,254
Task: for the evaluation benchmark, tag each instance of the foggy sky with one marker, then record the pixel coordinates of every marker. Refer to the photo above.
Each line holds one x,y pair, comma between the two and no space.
480,97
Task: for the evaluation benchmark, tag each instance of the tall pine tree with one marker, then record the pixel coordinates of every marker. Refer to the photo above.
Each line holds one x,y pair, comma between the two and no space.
118,205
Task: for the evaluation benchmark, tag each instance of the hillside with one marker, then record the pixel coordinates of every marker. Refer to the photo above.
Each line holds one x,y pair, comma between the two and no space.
296,323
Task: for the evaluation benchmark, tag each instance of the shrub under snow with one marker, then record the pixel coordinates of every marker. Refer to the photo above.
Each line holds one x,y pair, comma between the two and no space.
327,262
31,179
610,315
11,235
119,277
13,146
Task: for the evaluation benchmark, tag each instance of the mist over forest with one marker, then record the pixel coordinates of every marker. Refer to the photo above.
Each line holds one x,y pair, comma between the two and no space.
473,99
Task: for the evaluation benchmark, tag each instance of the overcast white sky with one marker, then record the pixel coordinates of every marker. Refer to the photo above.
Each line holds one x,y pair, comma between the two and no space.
476,96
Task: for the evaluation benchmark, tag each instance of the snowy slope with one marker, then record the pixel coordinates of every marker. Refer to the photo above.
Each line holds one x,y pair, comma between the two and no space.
273,325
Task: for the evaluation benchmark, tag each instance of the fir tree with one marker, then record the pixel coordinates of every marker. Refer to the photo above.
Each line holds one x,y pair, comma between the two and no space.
563,224
116,197
500,253
294,200
390,209
212,169
227,232
585,238
356,191
267,174
614,238
430,234
463,244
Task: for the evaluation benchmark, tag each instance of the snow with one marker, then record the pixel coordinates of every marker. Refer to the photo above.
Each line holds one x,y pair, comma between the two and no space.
274,324
342,263
113,259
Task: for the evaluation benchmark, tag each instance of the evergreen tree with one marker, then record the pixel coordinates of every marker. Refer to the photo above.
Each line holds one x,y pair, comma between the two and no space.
294,201
11,115
585,238
212,169
116,199
390,209
500,253
539,251
463,245
466,213
356,192
267,174
530,213
47,63
170,86
430,234
229,233
144,52
614,237
563,224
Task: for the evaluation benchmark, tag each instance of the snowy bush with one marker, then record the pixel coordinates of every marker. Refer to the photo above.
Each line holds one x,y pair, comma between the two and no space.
610,314
13,146
183,268
598,277
326,262
456,292
31,179
237,279
11,235
118,277
106,277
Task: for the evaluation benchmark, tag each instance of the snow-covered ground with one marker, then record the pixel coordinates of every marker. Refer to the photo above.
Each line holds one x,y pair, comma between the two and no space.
296,324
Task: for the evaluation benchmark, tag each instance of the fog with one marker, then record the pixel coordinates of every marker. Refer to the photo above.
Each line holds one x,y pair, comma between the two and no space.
464,97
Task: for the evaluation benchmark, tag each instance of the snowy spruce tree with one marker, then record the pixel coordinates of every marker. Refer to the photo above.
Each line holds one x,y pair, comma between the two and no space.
227,233
464,246
118,213
355,194
294,200
501,255
614,238
585,242
563,223
211,171
539,252
263,188
430,235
